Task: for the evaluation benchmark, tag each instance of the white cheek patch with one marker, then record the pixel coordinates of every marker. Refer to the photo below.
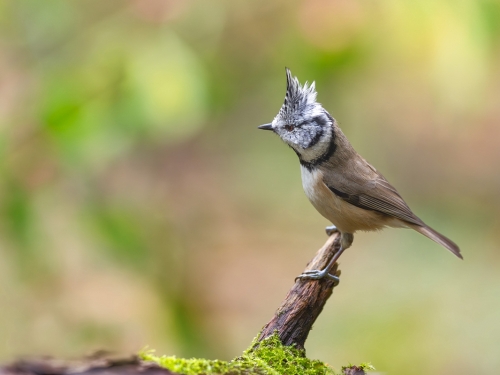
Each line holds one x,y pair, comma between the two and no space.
315,151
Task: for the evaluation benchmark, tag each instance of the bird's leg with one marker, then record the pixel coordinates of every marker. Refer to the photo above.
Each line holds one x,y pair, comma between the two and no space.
319,274
331,229
345,242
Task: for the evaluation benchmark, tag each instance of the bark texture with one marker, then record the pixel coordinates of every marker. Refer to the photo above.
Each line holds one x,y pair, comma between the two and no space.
95,365
304,302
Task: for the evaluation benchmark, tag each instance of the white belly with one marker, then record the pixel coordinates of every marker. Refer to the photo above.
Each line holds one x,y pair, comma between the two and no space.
345,216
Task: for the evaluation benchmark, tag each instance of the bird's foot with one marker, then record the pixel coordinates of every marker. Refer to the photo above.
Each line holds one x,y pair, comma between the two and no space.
331,229
318,275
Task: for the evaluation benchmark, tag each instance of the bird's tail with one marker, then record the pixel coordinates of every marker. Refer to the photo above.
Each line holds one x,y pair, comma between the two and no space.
439,238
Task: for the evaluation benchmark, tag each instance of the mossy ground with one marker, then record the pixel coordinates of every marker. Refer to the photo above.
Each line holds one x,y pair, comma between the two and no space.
270,357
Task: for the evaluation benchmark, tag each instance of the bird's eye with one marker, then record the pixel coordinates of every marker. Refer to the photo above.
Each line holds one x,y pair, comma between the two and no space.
289,127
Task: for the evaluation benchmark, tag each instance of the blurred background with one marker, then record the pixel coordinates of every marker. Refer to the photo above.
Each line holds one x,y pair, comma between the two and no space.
139,205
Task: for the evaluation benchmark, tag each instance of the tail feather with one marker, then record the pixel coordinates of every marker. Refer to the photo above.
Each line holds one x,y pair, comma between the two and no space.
439,238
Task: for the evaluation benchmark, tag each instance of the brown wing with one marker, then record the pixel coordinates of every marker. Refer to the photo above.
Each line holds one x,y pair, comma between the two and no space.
364,187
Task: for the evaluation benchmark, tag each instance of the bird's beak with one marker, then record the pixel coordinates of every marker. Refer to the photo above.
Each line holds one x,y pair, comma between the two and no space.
266,127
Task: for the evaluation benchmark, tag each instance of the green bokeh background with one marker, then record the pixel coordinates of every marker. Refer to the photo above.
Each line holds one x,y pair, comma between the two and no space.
140,206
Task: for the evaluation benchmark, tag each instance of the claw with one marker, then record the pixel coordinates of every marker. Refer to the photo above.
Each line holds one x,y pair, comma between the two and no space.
331,229
318,275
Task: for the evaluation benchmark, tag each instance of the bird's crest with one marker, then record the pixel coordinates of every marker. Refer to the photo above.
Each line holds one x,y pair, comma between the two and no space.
298,99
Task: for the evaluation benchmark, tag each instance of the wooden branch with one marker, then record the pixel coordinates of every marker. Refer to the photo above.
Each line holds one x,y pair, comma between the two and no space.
304,302
98,365
292,322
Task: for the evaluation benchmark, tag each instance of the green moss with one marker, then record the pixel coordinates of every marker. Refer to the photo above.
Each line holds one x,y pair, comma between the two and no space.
269,357
364,366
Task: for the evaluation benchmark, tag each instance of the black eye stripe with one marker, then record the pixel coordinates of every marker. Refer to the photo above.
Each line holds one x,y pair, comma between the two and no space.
320,120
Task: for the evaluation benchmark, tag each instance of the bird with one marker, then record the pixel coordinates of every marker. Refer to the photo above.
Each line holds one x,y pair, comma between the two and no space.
340,183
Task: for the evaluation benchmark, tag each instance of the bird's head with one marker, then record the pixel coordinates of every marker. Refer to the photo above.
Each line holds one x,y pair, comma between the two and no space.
302,122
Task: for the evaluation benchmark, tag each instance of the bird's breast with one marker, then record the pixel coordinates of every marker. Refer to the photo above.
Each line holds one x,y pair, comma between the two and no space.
312,182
